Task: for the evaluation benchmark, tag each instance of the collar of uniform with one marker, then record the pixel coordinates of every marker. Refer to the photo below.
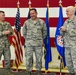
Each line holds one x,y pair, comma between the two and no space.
2,23
32,21
70,20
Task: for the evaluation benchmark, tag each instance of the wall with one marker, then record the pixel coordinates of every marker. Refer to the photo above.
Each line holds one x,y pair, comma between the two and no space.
10,8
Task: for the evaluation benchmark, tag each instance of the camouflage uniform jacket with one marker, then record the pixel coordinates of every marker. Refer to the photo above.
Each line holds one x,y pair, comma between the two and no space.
4,38
34,33
69,35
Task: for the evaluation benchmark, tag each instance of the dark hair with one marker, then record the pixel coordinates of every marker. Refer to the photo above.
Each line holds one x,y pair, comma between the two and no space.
2,11
33,9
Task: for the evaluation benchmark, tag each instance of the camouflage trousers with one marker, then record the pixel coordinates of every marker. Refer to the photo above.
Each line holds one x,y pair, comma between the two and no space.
70,56
29,57
6,53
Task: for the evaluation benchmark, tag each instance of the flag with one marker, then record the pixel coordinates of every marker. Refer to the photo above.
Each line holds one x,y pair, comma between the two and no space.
16,40
48,57
28,17
10,6
58,37
75,9
28,14
29,9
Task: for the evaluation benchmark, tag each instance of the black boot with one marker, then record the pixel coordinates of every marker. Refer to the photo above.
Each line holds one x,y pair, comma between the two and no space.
38,72
72,73
8,72
68,74
28,73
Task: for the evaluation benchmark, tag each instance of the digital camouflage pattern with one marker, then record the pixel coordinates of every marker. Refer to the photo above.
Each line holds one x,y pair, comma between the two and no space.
4,43
69,37
34,32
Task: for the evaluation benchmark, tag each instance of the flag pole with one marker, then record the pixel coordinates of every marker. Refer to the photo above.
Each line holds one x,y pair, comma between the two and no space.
75,4
29,3
46,43
47,5
18,3
61,66
75,1
60,4
75,7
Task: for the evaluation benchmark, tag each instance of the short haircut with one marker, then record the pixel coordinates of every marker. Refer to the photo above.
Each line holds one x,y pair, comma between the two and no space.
33,9
2,11
71,8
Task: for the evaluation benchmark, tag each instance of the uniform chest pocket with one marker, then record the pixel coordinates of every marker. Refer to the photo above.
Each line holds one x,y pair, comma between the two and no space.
1,28
5,26
70,26
73,25
39,27
29,27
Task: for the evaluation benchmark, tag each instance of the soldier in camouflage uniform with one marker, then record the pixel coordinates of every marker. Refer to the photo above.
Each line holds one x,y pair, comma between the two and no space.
68,31
5,31
34,31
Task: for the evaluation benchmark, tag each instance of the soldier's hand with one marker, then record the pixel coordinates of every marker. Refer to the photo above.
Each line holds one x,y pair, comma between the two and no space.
43,45
63,28
6,32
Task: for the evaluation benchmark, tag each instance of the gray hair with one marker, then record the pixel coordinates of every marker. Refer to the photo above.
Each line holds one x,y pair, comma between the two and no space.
72,8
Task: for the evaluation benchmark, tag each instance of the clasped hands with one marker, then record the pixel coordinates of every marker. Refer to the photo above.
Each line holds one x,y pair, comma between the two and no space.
6,32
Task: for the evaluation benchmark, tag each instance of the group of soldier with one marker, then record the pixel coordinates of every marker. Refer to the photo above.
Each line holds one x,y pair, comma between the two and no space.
34,31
